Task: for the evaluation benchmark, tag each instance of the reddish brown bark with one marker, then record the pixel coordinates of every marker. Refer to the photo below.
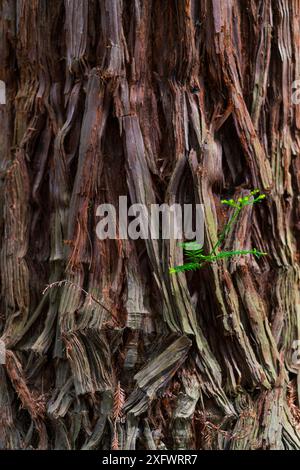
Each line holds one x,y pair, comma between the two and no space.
163,101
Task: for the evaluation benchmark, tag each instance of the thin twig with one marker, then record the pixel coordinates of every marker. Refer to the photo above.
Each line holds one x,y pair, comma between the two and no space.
87,294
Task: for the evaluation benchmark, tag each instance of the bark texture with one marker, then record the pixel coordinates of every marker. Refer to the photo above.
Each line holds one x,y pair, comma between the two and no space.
163,101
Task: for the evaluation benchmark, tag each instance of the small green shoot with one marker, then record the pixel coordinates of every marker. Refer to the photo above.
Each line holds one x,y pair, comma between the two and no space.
194,251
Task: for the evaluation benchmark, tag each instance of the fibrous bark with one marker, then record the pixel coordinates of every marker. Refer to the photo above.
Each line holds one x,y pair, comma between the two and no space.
162,101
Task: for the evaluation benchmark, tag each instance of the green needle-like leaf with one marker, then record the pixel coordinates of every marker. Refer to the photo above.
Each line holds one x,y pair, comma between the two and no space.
194,251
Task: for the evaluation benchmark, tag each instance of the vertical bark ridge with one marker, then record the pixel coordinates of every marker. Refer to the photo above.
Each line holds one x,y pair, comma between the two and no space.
165,102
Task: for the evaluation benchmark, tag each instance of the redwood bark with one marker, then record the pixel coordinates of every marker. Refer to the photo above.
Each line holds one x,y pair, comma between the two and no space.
162,101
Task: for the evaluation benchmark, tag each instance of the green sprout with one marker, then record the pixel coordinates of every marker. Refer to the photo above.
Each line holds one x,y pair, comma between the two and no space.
194,252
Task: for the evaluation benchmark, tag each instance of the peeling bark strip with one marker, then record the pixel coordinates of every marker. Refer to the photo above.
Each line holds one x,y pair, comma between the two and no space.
168,101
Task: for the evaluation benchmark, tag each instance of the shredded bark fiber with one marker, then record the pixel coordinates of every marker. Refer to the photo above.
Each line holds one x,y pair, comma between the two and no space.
163,101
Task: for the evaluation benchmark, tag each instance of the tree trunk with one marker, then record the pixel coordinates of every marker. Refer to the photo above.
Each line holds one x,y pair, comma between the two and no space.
163,101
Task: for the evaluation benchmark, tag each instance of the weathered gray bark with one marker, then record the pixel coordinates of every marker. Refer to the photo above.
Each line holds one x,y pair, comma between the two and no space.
164,101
